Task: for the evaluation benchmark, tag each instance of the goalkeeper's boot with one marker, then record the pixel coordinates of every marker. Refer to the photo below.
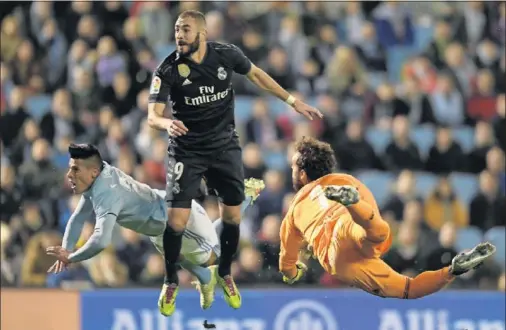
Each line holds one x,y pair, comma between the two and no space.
252,188
230,292
345,195
465,261
207,290
167,299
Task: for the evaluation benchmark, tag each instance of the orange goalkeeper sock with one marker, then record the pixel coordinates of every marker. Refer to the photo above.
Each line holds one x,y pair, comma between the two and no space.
428,283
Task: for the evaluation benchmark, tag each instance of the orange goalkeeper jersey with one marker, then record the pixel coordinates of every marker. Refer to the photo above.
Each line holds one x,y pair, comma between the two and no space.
325,226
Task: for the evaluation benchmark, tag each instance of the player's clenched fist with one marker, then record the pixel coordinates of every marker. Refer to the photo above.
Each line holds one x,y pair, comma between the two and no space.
177,128
301,270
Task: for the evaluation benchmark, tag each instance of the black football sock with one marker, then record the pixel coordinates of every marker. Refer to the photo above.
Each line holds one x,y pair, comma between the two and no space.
229,240
172,242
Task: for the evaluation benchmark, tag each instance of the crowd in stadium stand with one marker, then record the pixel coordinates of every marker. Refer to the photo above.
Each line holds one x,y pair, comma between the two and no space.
413,96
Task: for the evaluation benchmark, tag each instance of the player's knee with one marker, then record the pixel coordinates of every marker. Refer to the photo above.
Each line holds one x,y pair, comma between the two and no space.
178,218
231,214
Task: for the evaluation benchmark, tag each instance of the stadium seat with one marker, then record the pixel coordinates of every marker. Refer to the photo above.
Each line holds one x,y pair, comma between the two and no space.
423,137
465,186
379,139
497,236
38,105
425,183
243,108
161,51
465,137
275,160
467,238
379,183
423,37
277,108
396,57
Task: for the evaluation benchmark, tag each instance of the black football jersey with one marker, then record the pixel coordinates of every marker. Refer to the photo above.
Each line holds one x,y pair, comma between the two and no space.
201,95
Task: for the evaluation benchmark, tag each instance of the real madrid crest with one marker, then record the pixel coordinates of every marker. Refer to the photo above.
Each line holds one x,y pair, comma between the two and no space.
184,70
222,74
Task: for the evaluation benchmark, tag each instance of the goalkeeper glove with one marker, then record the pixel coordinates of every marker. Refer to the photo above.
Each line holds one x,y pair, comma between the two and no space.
301,270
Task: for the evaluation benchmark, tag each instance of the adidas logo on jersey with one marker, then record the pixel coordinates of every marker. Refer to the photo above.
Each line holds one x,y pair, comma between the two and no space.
186,82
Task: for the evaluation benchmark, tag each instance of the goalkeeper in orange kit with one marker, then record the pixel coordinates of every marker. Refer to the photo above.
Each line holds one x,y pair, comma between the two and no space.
336,217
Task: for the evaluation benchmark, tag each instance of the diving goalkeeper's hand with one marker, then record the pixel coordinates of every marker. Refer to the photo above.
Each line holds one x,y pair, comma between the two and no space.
301,270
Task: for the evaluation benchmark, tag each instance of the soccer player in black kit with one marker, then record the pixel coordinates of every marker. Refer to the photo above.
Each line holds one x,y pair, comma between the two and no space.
203,141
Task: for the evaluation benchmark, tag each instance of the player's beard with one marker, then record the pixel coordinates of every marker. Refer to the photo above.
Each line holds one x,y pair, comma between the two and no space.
297,184
193,47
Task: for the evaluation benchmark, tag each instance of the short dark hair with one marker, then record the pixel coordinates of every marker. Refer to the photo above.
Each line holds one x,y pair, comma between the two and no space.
317,158
195,14
85,151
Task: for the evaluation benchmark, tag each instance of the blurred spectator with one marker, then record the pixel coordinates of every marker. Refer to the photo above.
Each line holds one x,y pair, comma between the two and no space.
441,39
88,29
11,38
11,195
446,154
25,64
262,129
353,151
268,244
36,262
121,95
114,13
334,123
215,26
420,109
107,270
443,205
55,46
39,177
482,104
422,71
14,118
401,153
394,24
254,166
293,41
345,73
483,141
157,23
8,275
460,68
488,207
403,192
370,51
110,61
323,50
133,253
403,256
387,107
61,120
279,69
495,165
448,103
442,255
152,274
354,19
271,199
499,122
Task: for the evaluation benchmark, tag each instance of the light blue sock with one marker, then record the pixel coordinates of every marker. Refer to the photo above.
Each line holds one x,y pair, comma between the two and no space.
201,273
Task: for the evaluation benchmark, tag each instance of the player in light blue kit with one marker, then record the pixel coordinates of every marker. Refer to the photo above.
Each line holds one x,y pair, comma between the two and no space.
111,196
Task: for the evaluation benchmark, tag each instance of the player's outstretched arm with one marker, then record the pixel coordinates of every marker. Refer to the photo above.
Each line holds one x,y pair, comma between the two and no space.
260,78
98,241
291,243
83,212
